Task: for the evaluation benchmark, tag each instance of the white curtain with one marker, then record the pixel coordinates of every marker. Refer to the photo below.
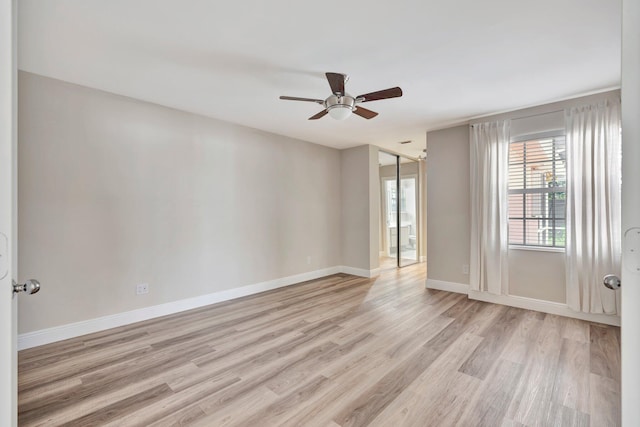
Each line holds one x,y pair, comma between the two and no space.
593,236
489,207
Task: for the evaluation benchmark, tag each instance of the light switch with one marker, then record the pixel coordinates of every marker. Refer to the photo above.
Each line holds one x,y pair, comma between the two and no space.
632,249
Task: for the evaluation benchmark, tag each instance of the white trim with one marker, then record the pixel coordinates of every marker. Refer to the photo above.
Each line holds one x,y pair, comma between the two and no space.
375,272
442,285
359,271
423,258
72,330
550,307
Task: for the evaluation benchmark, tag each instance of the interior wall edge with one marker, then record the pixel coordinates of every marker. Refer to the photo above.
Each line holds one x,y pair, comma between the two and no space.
443,285
359,271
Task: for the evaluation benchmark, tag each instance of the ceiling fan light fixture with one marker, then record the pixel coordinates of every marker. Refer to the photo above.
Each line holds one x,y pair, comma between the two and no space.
340,104
340,112
340,107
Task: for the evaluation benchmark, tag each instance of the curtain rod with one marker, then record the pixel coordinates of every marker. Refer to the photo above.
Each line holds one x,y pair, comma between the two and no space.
608,95
541,114
529,116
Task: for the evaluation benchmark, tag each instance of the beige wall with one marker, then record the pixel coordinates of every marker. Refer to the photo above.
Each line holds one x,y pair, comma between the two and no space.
114,192
532,274
448,209
374,208
360,207
537,274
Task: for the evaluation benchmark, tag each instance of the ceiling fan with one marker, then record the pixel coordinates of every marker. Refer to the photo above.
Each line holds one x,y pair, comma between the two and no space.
340,104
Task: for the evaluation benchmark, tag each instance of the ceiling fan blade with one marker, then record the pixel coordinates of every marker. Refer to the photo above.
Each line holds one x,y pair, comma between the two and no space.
336,81
363,112
295,98
320,115
393,92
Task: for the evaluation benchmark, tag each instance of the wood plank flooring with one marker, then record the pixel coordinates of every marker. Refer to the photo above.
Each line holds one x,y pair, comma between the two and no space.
338,351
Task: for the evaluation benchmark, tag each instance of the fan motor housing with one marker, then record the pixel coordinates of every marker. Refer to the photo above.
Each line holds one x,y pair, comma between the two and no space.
346,101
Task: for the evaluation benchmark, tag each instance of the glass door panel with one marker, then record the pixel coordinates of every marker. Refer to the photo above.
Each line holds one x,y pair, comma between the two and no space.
389,211
408,218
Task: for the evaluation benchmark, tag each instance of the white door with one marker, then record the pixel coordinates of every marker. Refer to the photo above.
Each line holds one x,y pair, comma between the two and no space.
630,310
8,322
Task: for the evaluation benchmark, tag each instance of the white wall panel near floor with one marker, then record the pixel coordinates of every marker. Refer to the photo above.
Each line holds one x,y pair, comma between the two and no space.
8,214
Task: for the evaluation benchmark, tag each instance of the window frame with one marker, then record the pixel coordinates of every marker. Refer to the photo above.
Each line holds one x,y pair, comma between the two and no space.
558,133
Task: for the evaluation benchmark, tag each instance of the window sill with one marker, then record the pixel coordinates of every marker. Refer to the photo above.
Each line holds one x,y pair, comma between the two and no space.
536,248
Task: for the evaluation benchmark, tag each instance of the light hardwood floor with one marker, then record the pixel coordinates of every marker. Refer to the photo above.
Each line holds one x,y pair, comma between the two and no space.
338,351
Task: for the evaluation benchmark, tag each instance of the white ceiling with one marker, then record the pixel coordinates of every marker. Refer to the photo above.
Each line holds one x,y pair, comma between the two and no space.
454,59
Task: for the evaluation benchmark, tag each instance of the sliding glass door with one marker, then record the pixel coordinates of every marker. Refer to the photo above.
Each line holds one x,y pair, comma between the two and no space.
399,205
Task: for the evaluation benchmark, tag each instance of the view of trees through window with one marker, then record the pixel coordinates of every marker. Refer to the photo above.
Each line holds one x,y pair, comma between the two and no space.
537,192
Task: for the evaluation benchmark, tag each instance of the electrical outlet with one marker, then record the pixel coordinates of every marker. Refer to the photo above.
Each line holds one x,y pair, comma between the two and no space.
309,259
465,269
142,288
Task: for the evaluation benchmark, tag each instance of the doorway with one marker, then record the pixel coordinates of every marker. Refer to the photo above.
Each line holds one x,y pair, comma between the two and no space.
399,216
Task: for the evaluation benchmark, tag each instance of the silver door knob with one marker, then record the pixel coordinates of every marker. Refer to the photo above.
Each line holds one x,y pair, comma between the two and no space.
31,287
611,281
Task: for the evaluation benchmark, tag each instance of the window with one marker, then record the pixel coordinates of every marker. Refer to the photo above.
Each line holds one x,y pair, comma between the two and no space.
537,191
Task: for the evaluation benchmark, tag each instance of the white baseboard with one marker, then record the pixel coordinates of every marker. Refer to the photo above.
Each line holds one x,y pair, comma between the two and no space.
63,332
72,330
359,271
442,285
550,307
